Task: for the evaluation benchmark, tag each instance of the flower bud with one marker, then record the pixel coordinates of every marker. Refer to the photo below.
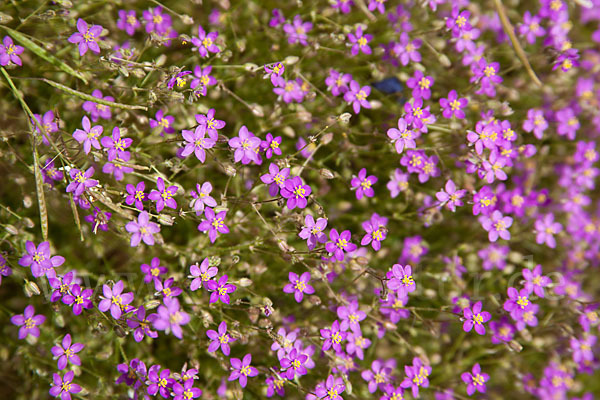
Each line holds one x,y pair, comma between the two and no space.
327,174
245,282
31,289
345,118
290,60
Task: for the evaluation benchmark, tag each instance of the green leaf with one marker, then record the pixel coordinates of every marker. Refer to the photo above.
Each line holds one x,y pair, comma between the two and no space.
89,97
34,48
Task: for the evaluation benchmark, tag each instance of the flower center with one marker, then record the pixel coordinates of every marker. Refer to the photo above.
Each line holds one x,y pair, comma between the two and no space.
523,301
342,243
362,42
300,286
224,338
217,223
489,71
245,370
424,83
455,105
38,257
299,192
478,379
361,95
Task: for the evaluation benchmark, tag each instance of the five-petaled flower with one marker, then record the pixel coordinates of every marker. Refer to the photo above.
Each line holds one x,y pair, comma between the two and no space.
220,339
214,223
64,386
115,300
339,244
28,322
475,380
242,370
220,289
142,229
87,37
475,318
299,285
66,352
363,184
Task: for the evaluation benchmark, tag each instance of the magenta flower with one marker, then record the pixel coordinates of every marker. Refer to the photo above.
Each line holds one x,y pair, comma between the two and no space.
362,184
128,21
197,143
299,286
5,270
116,145
212,125
165,122
337,82
163,196
531,28
351,316
357,96
136,195
313,232
475,318
402,138
333,336
274,71
99,219
450,197
407,50
141,324
476,380
271,145
28,322
220,290
159,383
517,302
9,52
583,349
81,181
421,85
546,228
87,37
202,274
497,226
214,224
115,300
494,256
568,123
294,364
296,192
64,386
401,280
178,79
66,352
296,32
202,198
39,260
376,231
186,391
142,229
220,339
416,376
378,376
331,390
360,42
459,21
97,110
277,18
205,43
156,20
452,105
166,288
202,79
47,122
242,370
398,183
535,282
171,317
502,331
246,146
535,123
339,244
78,299
89,135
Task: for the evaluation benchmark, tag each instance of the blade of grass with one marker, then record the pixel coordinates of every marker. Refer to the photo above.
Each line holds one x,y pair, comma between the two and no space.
89,97
41,52
39,184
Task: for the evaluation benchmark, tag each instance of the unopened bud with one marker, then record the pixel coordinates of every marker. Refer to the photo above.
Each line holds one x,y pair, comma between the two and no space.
291,60
152,304
11,229
327,138
444,60
214,261
164,219
327,174
230,170
257,110
515,346
250,67
283,245
345,118
186,19
245,282
31,289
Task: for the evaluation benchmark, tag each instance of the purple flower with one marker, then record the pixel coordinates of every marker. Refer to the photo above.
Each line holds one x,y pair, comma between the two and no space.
401,280
331,390
141,324
163,196
274,71
452,105
337,82
294,363
546,228
170,317
393,307
406,50
64,386
87,37
136,195
531,28
535,282
343,5
246,146
242,370
339,244
78,299
502,331
333,336
159,382
89,135
202,274
5,270
313,232
517,302
214,224
275,178
356,343
116,145
50,173
568,123
450,197
202,197
212,124
39,259
421,85
197,143
275,385
178,79
416,376
497,226
494,256
414,248
398,183
402,138
165,122
115,300
186,391
202,79
296,32
475,317
205,43
220,290
296,192
9,52
378,376
46,123
360,42
535,123
582,348
28,322
166,287
99,219
362,183
357,96
350,316
128,21
376,231
67,352
277,18
476,380
97,110
143,229
484,201
459,21
220,339
271,145
299,286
